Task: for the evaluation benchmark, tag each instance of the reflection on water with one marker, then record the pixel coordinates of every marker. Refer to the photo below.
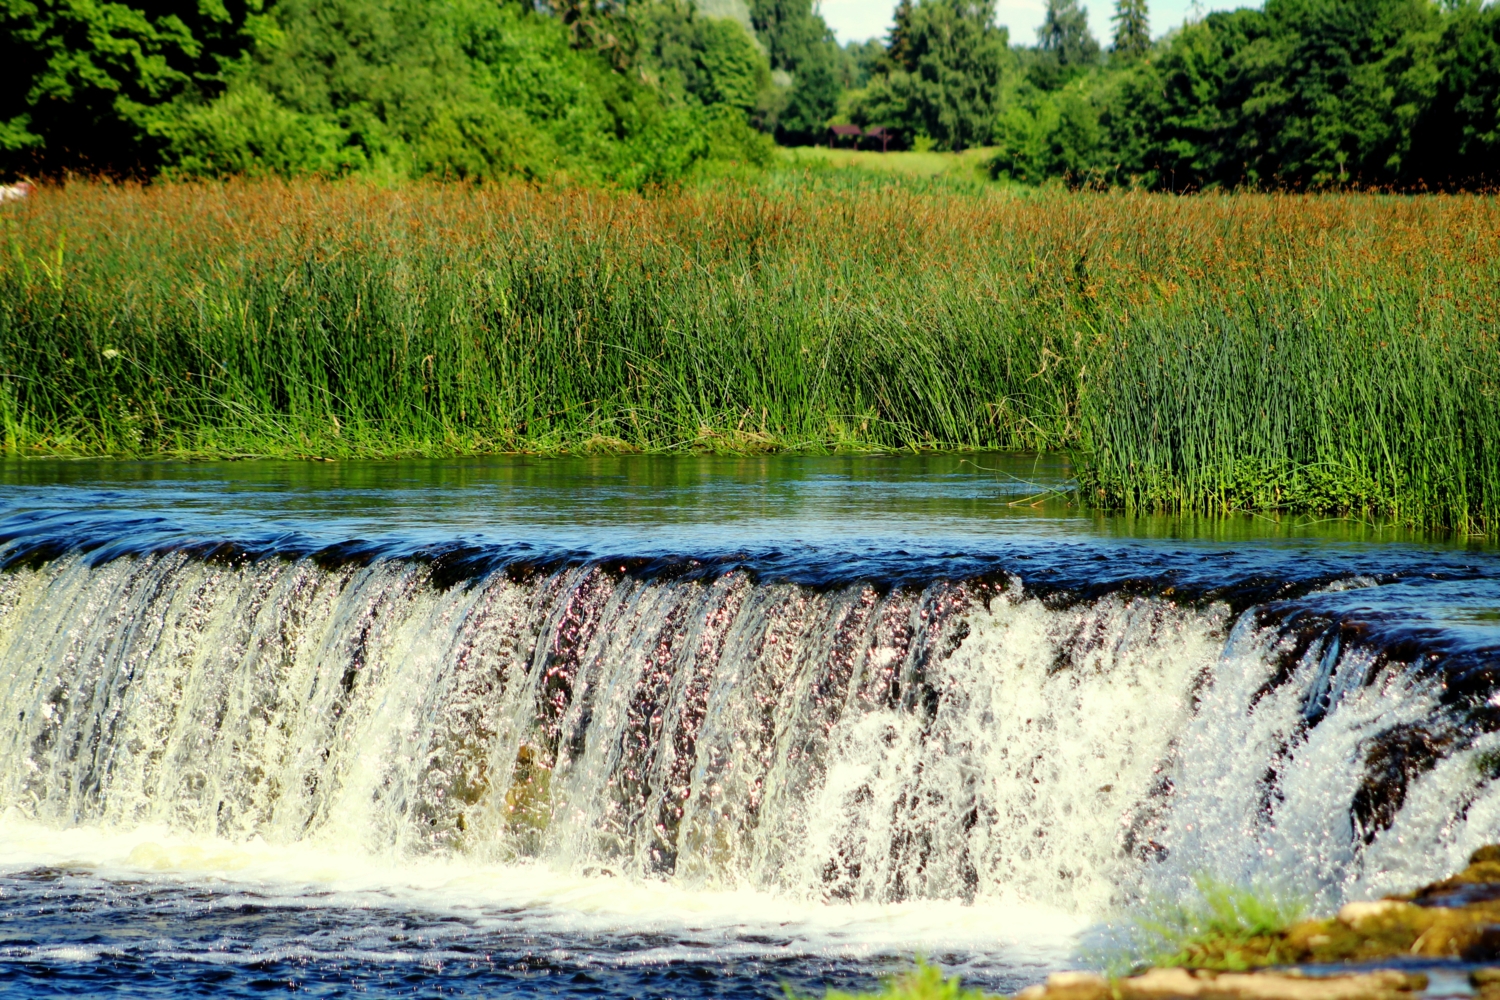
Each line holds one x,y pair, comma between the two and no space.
681,501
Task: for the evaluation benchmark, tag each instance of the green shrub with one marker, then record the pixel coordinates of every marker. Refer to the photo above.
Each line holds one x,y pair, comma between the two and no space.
246,132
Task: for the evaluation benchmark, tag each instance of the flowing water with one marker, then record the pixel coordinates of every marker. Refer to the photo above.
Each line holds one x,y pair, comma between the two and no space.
680,727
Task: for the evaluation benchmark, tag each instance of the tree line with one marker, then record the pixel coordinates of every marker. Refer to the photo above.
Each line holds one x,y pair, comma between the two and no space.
1398,94
631,94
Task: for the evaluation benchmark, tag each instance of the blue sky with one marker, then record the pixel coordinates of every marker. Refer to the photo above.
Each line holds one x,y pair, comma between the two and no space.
856,20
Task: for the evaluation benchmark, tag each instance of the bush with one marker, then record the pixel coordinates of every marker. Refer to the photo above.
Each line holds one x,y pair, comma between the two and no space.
1054,134
247,132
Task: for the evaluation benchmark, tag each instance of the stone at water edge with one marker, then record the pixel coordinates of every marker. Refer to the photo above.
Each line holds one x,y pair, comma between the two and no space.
1478,883
1158,984
1486,983
1387,983
1069,986
1355,914
1180,984
1456,918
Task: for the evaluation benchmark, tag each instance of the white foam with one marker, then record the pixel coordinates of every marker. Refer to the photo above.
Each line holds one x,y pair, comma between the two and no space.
57,953
768,769
728,924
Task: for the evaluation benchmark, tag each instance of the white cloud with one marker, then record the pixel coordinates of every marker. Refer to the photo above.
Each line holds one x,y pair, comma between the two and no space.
857,20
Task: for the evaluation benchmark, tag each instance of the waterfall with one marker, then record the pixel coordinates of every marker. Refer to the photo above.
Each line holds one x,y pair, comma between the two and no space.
962,739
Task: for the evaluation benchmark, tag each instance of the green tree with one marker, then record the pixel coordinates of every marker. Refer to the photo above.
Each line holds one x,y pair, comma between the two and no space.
947,83
1303,93
1132,28
1052,134
1456,142
710,59
462,89
1066,47
1317,91
898,46
800,46
861,61
1166,122
603,26
86,75
1065,34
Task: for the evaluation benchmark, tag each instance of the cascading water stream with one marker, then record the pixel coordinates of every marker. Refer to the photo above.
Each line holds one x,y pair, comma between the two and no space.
963,739
611,728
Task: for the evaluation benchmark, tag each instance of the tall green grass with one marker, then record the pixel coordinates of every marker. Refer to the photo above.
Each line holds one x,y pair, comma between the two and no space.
1330,352
1368,382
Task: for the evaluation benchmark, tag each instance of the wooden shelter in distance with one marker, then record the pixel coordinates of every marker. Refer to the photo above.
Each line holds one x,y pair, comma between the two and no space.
837,132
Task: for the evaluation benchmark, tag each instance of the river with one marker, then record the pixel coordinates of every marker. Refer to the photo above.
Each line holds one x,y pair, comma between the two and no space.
695,726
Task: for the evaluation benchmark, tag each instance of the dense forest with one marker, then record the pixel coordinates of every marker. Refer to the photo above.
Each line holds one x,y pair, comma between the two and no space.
1299,93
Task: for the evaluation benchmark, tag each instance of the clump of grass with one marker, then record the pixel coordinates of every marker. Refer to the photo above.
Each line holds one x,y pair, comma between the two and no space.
1217,926
1266,352
922,982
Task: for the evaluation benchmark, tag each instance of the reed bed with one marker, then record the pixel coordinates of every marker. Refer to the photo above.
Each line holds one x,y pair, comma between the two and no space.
1331,352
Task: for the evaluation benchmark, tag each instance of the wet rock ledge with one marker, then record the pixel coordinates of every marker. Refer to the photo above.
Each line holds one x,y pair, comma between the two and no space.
1453,924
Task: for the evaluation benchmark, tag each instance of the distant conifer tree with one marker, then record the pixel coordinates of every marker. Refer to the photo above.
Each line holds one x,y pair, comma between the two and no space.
1132,28
898,49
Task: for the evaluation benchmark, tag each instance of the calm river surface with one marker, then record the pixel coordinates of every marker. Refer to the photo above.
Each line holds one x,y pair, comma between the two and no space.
639,727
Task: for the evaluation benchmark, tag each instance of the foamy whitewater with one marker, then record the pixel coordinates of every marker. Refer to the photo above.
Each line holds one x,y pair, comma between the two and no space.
675,775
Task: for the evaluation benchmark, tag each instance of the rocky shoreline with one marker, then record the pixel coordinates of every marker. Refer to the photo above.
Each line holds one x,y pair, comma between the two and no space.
1452,922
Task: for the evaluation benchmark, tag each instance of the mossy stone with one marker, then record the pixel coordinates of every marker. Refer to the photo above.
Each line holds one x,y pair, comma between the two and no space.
1484,977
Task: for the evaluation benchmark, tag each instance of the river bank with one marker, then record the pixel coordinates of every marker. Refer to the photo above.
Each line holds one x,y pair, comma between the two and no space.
1382,949
1250,352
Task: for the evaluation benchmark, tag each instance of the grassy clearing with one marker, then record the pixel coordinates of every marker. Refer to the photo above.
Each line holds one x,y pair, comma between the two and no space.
1271,352
968,165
